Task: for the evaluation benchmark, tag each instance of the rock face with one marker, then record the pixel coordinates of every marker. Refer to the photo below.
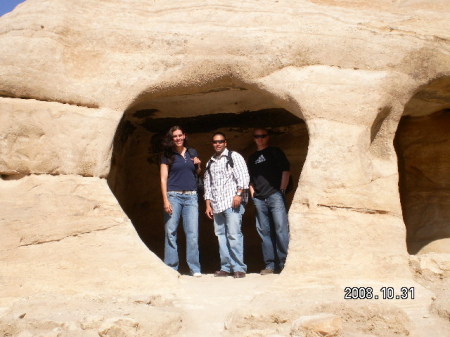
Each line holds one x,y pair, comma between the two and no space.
88,87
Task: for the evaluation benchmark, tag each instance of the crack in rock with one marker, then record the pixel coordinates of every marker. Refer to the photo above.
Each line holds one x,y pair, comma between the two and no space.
65,237
361,210
90,106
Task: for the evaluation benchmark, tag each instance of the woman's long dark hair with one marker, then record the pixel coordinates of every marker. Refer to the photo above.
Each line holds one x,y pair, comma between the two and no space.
168,144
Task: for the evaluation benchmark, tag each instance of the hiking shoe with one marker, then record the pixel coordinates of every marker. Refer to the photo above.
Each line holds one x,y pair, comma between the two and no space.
239,274
221,273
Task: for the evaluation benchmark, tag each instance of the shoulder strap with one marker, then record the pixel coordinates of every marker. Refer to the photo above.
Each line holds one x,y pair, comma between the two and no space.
230,163
208,169
189,150
208,165
230,159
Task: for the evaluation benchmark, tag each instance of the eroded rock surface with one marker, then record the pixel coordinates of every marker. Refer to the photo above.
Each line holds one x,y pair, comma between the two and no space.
86,85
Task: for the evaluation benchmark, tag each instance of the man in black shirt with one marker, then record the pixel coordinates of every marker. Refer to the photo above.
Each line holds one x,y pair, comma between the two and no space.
269,177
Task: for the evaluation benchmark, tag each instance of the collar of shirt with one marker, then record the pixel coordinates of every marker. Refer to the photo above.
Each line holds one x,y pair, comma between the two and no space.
224,153
177,153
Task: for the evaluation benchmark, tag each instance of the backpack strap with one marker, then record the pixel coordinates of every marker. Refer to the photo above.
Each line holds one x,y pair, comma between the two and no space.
208,167
189,150
230,161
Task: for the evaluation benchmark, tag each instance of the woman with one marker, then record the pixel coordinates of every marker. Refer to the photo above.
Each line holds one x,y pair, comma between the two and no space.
179,169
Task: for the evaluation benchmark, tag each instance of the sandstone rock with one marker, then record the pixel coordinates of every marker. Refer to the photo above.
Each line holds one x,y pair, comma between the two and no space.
87,87
25,333
432,270
431,265
119,327
324,324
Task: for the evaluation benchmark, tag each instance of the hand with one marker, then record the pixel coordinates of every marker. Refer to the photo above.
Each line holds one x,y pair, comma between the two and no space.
237,201
168,207
196,161
209,212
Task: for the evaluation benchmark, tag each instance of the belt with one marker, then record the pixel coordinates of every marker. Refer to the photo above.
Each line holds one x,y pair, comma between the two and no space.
184,192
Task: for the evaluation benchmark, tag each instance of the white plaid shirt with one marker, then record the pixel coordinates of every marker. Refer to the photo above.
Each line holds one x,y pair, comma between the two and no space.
222,182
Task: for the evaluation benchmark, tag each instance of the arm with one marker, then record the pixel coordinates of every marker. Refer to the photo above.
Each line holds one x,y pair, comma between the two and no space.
285,169
164,173
197,164
209,211
207,186
195,159
284,181
242,177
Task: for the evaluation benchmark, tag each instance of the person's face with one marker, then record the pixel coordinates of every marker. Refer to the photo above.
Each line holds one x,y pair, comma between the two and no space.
219,143
261,138
178,138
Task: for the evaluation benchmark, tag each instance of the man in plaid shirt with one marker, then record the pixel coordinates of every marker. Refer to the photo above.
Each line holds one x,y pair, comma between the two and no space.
226,182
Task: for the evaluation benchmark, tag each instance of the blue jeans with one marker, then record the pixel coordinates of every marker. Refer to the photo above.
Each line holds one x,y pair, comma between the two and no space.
184,205
227,227
273,228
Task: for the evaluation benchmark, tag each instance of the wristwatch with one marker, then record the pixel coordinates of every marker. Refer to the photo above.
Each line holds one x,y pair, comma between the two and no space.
239,194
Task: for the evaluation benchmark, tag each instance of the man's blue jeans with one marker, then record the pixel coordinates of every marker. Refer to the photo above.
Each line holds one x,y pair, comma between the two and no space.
227,227
273,228
186,206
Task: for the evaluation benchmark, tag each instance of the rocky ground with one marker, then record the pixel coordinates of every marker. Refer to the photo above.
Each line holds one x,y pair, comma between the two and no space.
209,306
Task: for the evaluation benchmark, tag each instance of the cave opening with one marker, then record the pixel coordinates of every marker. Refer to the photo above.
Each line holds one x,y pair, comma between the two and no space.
134,176
422,143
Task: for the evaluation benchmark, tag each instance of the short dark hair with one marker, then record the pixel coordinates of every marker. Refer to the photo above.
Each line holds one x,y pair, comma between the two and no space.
263,129
218,133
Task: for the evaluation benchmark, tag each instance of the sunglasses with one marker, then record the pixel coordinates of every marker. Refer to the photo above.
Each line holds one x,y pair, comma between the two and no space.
260,136
221,141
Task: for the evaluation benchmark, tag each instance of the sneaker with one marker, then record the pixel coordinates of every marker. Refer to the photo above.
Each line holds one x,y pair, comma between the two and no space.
197,274
266,271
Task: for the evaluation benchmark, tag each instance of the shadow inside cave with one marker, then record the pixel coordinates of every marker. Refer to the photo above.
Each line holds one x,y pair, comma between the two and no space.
134,176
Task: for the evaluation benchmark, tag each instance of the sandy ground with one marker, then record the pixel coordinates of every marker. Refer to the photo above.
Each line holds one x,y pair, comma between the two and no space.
254,306
207,302
212,306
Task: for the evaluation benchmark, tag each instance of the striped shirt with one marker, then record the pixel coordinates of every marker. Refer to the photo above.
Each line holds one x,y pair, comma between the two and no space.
222,182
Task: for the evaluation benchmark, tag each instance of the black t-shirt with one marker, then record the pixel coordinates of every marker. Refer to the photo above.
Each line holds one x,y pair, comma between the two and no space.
265,168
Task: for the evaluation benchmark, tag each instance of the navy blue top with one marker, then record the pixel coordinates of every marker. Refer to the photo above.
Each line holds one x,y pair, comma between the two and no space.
182,176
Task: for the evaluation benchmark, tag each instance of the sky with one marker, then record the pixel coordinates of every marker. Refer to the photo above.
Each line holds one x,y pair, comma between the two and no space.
8,5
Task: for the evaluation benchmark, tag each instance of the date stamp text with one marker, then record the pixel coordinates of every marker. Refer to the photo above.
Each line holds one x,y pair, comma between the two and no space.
384,293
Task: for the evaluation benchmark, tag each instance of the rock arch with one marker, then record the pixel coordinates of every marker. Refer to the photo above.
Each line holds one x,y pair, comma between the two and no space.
228,106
